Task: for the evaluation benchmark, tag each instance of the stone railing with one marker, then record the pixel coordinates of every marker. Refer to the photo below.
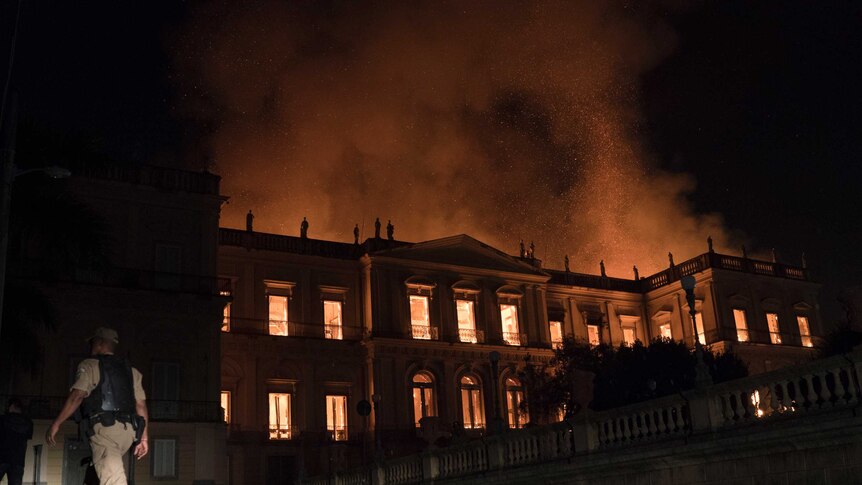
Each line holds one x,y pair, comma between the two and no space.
653,420
816,387
744,405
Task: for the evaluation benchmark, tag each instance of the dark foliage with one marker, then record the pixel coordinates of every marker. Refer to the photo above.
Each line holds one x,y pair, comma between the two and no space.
841,340
620,375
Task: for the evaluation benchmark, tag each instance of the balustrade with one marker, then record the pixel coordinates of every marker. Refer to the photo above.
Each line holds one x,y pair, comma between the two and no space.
817,387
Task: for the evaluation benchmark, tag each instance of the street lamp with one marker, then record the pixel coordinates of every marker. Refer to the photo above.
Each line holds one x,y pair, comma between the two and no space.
701,372
497,422
378,448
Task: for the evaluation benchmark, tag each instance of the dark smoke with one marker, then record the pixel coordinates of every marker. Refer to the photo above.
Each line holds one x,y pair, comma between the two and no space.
501,120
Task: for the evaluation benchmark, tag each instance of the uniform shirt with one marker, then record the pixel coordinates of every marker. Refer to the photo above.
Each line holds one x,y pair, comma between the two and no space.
87,378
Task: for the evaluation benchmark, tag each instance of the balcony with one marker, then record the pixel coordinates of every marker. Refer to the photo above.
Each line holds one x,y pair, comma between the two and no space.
283,432
471,336
333,332
337,433
424,332
253,326
514,338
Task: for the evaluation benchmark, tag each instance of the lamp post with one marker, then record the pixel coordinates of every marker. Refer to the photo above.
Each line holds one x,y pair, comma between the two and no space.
497,422
702,376
378,448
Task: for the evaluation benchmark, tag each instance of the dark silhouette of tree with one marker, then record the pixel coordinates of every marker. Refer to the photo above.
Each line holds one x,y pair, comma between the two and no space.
51,236
619,375
841,340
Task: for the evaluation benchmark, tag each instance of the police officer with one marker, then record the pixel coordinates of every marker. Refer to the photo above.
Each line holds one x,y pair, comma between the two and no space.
111,398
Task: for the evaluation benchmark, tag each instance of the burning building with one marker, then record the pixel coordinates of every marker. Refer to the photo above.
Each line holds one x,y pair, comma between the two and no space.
318,329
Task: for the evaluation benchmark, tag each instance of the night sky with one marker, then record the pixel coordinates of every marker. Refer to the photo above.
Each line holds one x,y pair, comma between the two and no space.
757,103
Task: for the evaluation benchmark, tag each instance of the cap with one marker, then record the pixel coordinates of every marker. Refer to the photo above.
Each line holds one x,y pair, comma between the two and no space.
105,333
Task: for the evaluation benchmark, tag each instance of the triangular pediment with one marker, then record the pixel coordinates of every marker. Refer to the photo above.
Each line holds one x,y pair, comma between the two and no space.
461,250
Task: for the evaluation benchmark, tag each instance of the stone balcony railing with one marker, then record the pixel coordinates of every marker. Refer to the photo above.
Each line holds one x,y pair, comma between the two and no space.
752,404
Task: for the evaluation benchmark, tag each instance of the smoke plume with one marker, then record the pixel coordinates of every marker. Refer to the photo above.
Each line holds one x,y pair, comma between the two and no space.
502,120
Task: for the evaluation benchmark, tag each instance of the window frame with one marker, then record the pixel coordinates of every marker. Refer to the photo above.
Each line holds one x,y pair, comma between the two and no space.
154,441
515,418
424,399
289,427
805,338
333,332
474,389
774,336
332,429
740,330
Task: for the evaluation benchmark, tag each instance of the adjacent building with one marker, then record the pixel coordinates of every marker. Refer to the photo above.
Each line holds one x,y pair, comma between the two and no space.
155,281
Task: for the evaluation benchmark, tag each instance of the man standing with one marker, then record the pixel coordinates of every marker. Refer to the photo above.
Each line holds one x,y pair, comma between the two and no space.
109,392
15,430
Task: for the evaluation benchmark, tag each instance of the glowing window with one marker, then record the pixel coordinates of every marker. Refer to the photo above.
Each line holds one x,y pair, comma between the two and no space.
419,319
514,397
741,325
509,315
664,331
466,321
593,335
774,329
804,330
556,333
423,397
472,410
277,315
225,321
336,417
225,405
698,323
332,319
279,416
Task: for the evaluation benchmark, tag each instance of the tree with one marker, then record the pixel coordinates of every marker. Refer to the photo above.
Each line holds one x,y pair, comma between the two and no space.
618,375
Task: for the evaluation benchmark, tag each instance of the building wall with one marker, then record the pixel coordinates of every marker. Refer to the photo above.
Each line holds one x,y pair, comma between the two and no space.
165,305
379,356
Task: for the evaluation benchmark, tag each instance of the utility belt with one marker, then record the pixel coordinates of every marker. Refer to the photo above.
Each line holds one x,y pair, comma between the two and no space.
110,418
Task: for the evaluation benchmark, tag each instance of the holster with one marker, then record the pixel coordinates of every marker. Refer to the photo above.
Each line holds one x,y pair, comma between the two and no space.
138,424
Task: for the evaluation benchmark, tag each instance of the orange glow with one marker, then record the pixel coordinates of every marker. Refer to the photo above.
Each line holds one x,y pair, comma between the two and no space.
506,123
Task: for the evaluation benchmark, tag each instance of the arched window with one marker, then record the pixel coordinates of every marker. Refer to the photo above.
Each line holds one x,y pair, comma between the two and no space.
423,396
472,408
514,397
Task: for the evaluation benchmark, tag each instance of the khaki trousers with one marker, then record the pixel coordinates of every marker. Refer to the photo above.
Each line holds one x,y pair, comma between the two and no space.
108,445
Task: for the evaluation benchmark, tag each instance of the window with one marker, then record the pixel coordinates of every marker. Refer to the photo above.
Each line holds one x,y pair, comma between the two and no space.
514,397
225,321
168,258
277,315
466,321
629,327
774,329
419,319
336,417
664,331
509,315
423,397
556,334
332,319
225,405
698,323
165,390
593,335
279,416
472,410
164,457
804,330
741,325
